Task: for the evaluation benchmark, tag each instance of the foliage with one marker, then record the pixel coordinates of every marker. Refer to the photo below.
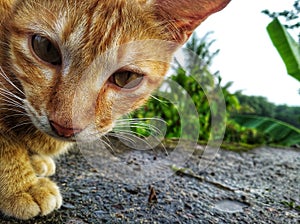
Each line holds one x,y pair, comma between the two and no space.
257,105
244,130
260,106
291,16
242,134
287,47
288,114
270,124
168,111
276,132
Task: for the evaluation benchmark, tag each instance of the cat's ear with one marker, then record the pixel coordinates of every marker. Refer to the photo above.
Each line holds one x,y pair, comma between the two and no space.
181,17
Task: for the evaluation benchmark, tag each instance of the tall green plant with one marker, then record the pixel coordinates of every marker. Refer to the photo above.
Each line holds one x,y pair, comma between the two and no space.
160,107
276,132
289,17
288,48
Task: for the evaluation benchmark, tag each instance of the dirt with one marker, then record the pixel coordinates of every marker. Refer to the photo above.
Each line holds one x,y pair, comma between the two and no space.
258,186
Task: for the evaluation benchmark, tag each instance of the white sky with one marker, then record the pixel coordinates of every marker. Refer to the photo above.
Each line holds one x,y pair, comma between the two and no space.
247,55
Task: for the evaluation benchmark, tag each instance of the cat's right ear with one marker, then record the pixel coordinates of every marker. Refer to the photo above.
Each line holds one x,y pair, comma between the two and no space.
181,17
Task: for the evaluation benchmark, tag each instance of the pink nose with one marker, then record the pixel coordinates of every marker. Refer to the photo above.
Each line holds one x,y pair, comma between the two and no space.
64,131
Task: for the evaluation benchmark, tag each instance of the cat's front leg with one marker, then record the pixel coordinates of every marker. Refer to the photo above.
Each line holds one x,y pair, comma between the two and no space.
24,195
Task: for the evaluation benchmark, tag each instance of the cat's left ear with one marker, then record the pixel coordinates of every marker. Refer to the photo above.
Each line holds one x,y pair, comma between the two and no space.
181,17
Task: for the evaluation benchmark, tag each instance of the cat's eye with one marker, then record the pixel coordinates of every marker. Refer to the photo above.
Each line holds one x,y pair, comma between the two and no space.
45,50
126,79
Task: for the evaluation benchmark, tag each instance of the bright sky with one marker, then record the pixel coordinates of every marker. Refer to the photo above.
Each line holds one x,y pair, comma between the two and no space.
247,55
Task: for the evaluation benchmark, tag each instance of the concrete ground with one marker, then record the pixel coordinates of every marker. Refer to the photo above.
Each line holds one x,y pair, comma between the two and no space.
257,186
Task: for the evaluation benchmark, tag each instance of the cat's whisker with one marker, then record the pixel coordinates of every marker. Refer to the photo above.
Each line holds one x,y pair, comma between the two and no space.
109,146
99,137
139,121
9,93
127,131
126,127
10,97
112,134
2,73
159,100
7,117
149,128
132,134
106,138
136,135
108,143
150,133
14,115
9,102
19,125
12,109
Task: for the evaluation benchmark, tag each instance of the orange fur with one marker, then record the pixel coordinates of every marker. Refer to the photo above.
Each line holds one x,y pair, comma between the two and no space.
44,106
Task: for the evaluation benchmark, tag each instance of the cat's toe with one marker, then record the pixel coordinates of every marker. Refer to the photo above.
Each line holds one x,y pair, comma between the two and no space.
41,199
21,206
46,194
43,166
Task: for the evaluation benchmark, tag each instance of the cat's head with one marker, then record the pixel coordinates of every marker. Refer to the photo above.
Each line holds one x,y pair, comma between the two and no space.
84,64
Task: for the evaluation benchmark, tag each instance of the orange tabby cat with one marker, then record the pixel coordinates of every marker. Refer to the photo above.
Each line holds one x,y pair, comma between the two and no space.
47,48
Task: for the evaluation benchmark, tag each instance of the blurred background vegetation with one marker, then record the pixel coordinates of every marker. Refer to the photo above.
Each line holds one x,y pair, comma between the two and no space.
250,120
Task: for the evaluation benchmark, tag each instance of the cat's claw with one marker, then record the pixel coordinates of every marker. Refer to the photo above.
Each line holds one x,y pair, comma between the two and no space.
43,166
41,199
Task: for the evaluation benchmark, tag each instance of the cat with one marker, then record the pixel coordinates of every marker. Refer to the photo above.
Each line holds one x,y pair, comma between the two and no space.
47,49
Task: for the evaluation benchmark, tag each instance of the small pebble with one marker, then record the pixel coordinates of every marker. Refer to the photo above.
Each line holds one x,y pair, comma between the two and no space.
68,206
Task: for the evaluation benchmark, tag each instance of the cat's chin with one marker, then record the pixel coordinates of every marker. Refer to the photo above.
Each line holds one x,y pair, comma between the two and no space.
63,139
83,137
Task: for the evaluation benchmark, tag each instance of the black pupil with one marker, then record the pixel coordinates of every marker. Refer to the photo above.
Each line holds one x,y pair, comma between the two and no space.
46,50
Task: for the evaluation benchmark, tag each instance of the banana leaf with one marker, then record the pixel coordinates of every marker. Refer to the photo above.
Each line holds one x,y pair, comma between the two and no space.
286,46
277,132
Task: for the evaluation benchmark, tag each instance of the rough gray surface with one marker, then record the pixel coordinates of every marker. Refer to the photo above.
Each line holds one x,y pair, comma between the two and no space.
245,187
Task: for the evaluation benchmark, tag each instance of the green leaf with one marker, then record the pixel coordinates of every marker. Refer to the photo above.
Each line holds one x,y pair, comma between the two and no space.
287,47
278,132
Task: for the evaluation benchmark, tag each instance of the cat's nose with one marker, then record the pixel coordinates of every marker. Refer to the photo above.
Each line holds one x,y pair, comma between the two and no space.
64,131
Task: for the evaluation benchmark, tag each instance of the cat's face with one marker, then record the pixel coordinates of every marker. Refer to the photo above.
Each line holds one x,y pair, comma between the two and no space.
84,64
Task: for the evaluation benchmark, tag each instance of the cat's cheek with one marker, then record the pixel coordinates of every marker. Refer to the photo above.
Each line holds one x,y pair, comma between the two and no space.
103,111
112,104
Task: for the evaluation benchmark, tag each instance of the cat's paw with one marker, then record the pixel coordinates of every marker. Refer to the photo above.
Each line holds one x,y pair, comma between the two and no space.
43,166
42,198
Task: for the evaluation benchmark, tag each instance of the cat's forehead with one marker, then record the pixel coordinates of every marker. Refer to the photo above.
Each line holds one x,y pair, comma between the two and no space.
95,36
92,24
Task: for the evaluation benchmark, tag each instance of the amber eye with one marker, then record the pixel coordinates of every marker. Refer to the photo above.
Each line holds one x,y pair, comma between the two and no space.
126,80
46,50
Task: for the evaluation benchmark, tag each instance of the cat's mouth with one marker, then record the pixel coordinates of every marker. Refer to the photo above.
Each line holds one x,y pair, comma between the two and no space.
74,134
88,134
64,133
